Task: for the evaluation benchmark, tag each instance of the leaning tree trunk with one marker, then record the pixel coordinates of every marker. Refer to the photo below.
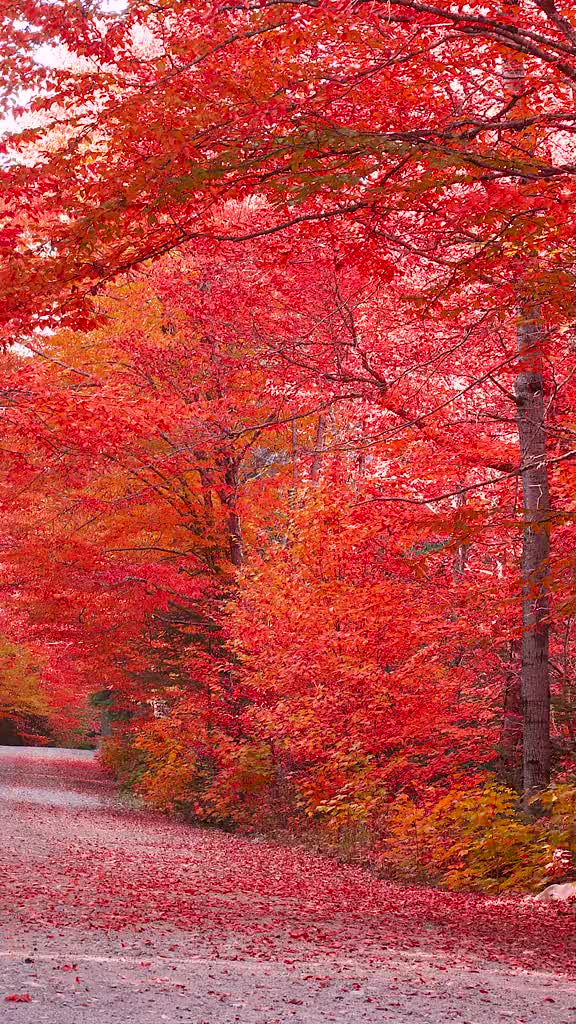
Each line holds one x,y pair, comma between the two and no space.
535,670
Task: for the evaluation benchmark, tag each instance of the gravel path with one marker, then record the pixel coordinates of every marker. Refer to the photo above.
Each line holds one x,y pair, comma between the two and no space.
112,915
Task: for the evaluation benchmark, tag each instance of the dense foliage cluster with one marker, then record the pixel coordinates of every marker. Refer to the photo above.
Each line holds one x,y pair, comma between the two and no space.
288,454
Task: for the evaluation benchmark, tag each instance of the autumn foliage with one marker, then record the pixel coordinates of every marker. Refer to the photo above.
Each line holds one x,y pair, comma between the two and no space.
288,467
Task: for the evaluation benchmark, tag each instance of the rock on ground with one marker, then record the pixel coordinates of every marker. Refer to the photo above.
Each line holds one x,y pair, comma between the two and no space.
563,891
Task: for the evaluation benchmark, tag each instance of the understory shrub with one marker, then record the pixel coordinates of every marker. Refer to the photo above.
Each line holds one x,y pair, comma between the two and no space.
481,839
202,775
477,838
122,759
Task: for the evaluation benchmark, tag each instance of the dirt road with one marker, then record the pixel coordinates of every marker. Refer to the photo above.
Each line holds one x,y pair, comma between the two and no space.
111,915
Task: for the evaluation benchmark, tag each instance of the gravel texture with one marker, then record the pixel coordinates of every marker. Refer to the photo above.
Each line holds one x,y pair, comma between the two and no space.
112,915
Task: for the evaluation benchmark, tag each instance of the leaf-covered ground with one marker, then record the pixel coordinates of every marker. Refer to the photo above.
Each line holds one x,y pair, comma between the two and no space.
111,914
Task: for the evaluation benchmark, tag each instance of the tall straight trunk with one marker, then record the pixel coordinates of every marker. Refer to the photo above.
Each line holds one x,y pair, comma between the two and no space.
531,421
535,668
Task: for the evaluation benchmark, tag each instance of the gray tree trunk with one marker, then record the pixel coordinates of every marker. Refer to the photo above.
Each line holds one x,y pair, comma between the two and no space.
531,420
318,450
535,669
230,500
511,736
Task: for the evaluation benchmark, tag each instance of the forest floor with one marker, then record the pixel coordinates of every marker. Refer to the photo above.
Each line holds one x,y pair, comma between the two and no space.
109,915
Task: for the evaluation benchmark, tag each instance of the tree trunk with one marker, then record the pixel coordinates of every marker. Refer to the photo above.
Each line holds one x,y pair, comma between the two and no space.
230,500
535,669
531,420
318,450
294,436
105,724
511,736
463,550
